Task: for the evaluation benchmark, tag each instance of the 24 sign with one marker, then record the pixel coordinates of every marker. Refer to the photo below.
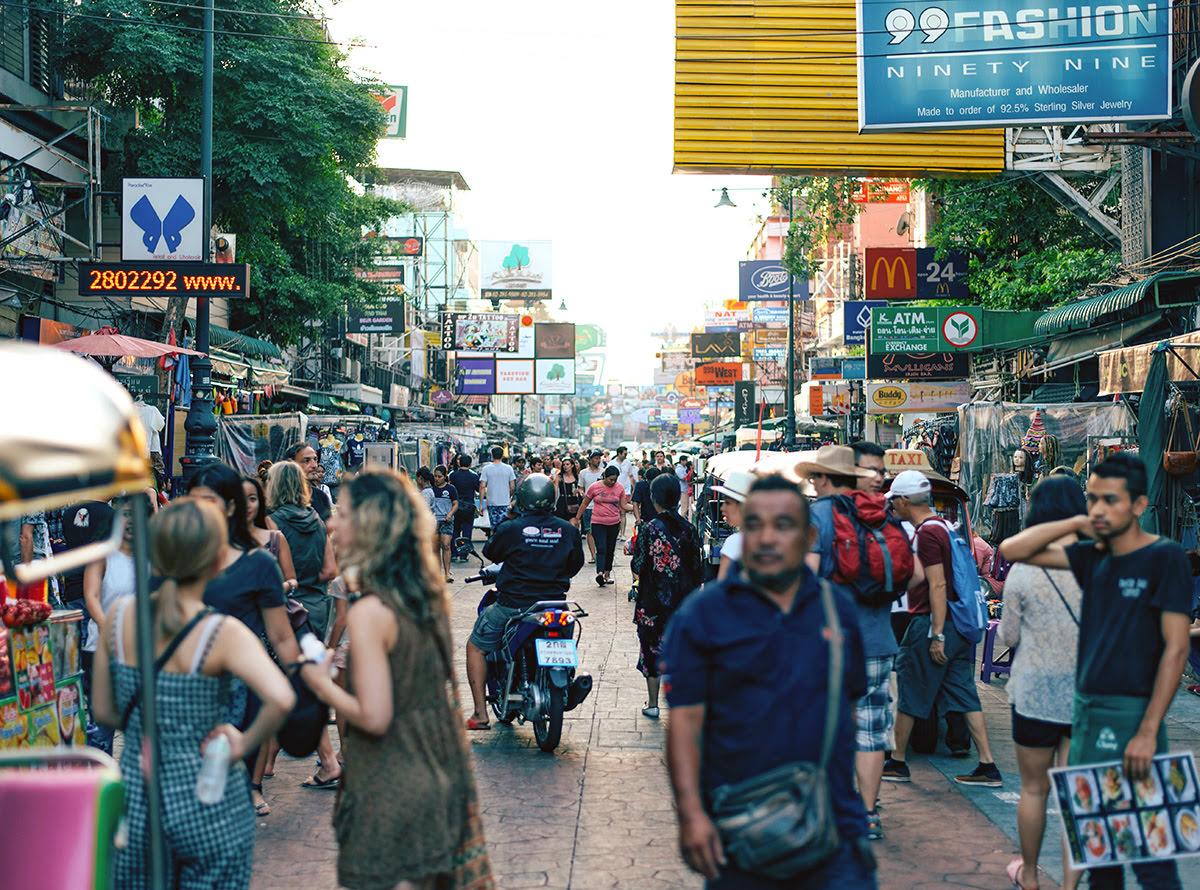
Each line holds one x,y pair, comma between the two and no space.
907,273
941,279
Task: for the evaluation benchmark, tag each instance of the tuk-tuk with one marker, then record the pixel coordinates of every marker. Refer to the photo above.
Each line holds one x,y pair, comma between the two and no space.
82,442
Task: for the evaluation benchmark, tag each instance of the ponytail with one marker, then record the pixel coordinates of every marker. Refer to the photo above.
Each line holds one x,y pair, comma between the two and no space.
168,610
186,537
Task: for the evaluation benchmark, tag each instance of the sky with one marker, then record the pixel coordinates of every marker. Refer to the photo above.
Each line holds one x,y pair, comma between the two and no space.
559,117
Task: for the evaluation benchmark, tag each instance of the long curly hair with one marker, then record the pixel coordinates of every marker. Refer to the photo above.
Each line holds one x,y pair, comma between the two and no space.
392,550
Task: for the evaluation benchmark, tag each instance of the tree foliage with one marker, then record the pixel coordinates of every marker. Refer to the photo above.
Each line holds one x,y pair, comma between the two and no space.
290,123
817,207
1026,250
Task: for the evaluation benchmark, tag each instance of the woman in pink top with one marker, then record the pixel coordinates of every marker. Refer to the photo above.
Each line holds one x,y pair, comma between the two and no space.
608,500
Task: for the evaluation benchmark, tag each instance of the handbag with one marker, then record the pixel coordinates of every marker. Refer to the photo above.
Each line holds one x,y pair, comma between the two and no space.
780,823
1180,463
301,732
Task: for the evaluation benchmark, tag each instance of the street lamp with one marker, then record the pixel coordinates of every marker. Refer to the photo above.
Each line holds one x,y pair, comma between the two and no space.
789,388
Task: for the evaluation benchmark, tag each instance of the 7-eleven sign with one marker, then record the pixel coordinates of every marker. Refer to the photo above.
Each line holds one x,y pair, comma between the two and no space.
395,104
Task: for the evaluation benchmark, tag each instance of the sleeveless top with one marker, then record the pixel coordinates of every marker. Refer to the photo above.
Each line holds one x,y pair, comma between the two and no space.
118,582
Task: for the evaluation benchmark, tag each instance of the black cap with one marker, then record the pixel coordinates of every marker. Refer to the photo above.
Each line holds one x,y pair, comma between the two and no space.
596,452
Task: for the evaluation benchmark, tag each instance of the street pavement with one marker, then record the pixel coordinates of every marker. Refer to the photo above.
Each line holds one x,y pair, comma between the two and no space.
598,814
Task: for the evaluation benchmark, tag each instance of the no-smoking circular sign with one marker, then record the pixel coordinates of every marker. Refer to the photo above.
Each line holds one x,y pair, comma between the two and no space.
960,329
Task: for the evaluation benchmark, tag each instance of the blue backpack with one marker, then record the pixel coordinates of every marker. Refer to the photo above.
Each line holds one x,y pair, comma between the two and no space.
969,612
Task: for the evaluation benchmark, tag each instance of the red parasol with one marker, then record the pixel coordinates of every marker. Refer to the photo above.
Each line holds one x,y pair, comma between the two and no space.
107,342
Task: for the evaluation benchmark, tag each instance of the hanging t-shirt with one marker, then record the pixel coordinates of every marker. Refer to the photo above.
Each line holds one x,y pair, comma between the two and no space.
1120,630
330,457
443,501
153,420
356,451
606,503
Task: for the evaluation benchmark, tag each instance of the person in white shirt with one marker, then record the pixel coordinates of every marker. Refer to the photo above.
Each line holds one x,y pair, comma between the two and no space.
496,484
626,478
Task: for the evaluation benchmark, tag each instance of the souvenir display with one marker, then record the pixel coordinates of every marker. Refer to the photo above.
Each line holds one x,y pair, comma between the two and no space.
6,668
14,730
1107,818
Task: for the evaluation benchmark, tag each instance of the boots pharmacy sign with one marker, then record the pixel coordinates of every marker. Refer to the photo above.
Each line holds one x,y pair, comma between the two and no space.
946,64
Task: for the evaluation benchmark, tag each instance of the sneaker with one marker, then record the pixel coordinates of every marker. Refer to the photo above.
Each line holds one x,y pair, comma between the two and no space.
874,827
960,753
984,776
896,771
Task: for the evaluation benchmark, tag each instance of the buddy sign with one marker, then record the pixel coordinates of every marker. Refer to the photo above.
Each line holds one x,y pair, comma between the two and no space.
926,329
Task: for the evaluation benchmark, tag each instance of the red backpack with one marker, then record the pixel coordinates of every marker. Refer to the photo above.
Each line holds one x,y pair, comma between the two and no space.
871,553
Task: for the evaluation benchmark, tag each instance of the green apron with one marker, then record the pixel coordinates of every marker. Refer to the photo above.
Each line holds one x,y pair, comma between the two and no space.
1104,724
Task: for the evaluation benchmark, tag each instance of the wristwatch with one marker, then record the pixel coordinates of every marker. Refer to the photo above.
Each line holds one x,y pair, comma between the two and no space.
938,638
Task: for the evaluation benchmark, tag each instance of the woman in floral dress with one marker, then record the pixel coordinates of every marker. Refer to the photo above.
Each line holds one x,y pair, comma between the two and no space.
668,566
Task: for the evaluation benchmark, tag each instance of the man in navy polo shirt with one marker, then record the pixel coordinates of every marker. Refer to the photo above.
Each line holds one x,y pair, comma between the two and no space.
745,668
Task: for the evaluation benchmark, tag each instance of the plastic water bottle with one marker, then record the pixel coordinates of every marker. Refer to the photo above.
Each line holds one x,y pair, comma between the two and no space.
314,650
214,770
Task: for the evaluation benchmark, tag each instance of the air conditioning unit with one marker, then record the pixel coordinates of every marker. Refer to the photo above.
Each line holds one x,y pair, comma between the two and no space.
344,366
355,370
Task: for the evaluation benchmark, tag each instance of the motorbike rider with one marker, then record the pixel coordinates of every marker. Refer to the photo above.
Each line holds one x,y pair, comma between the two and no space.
541,553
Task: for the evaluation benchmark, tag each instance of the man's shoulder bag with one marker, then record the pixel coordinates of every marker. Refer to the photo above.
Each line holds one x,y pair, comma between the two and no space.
780,824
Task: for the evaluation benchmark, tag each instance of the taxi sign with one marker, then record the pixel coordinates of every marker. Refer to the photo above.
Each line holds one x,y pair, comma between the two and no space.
897,460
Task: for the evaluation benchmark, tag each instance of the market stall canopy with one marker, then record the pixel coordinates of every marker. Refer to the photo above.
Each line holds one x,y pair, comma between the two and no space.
106,342
1157,291
1126,370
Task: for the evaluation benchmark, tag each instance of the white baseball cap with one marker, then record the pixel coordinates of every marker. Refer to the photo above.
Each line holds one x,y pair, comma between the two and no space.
736,485
908,484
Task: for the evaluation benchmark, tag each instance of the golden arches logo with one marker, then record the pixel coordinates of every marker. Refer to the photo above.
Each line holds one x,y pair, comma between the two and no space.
892,267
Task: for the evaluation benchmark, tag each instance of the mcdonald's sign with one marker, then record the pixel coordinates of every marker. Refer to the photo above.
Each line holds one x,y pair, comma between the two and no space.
890,273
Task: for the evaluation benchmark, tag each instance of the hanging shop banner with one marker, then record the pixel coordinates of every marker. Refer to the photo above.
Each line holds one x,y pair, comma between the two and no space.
725,345
902,397
475,376
926,329
555,340
918,366
822,367
914,273
1110,819
856,318
1012,62
745,403
768,280
554,376
718,373
515,377
514,270
1125,370
480,331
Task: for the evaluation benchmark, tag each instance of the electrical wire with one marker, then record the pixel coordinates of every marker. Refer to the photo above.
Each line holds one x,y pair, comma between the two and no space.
224,11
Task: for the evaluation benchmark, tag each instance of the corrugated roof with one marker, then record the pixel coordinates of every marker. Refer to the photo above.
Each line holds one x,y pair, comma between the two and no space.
1084,312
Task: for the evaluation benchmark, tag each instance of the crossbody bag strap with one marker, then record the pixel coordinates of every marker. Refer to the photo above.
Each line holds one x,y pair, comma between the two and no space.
836,666
1066,605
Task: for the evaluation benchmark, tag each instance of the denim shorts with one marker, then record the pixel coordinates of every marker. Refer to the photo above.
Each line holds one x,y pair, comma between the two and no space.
488,634
446,527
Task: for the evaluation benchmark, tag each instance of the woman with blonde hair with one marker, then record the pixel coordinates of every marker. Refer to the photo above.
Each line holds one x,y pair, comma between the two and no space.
199,653
404,739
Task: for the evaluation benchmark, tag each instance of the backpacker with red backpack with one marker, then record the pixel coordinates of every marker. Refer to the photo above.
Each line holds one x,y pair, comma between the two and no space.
872,555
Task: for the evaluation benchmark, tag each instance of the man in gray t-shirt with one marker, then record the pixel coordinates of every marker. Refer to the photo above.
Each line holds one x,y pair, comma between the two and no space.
590,474
496,483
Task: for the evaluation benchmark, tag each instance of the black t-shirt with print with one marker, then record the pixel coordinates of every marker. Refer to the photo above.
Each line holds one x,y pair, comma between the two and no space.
1120,629
243,590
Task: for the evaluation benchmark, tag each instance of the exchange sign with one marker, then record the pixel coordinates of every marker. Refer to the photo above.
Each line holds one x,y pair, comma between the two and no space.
926,329
962,63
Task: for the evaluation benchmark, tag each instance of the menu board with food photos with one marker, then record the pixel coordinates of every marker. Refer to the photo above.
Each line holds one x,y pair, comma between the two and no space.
41,692
1111,820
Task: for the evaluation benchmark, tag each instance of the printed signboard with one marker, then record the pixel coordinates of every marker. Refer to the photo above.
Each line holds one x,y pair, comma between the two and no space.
954,64
822,367
768,280
769,353
554,376
377,318
856,318
480,331
941,279
718,373
877,191
918,366
676,361
514,270
716,345
555,340
902,397
906,273
726,316
854,369
926,329
770,315
475,376
745,403
394,101
515,376
163,220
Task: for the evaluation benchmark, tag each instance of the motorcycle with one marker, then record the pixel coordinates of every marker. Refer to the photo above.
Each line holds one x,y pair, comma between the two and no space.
532,676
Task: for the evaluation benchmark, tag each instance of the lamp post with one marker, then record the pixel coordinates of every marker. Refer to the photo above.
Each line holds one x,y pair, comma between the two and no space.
789,387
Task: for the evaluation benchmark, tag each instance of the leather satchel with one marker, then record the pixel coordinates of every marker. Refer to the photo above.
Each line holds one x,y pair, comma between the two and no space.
780,823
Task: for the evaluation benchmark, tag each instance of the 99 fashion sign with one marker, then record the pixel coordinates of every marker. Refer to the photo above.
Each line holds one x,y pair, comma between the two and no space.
908,273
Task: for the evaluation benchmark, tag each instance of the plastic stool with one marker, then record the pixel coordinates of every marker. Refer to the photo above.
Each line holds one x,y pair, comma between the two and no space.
993,665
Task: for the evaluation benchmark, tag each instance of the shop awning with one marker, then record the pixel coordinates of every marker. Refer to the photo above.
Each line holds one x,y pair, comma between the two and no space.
242,344
263,374
229,365
1125,370
1148,292
323,400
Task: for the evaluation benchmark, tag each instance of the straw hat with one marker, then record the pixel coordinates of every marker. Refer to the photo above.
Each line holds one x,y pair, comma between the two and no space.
736,485
832,460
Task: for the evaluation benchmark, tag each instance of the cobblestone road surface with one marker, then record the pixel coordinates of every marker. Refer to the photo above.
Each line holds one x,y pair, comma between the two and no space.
597,814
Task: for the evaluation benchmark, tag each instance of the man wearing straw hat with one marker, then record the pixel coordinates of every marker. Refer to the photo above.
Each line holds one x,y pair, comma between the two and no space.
834,472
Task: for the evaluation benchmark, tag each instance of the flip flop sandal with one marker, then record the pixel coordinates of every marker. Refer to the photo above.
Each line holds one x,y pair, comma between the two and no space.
314,782
472,725
260,809
1013,869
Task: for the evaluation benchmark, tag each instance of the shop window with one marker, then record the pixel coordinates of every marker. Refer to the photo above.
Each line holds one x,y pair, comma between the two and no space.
12,39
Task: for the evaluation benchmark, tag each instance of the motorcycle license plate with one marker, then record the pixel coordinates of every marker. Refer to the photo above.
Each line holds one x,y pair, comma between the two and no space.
556,653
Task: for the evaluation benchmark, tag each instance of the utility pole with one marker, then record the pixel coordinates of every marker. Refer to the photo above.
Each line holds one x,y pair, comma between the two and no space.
201,423
521,424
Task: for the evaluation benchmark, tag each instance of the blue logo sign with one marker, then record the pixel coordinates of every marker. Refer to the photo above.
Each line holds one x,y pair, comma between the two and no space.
770,315
856,319
768,280
958,63
854,369
169,228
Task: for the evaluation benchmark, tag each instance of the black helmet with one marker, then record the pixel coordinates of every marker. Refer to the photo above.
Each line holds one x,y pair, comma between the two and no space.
536,494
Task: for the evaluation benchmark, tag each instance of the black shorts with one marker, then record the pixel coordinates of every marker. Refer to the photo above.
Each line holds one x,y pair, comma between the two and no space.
1031,733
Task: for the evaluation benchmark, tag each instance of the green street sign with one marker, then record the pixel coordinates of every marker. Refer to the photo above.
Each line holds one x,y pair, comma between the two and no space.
926,329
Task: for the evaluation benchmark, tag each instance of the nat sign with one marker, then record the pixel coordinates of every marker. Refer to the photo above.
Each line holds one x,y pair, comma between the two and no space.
908,273
722,345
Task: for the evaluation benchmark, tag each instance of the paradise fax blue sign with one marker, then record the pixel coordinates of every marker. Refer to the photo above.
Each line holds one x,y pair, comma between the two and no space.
972,63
